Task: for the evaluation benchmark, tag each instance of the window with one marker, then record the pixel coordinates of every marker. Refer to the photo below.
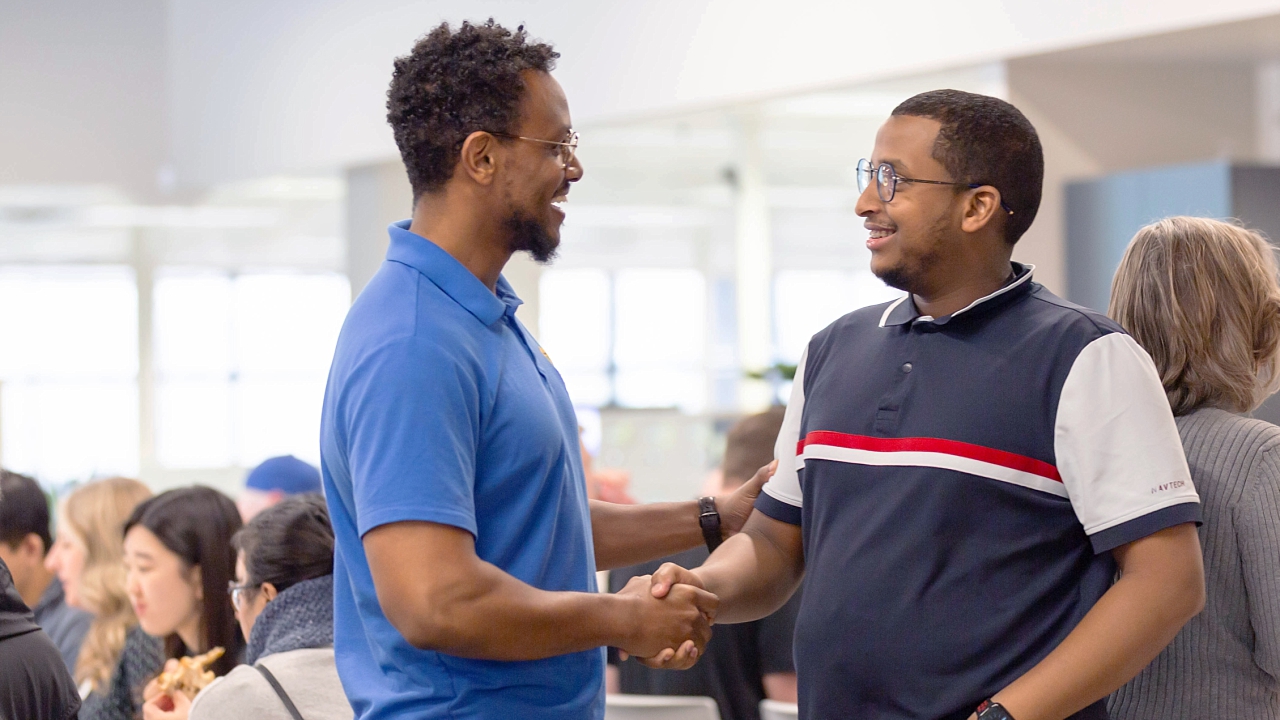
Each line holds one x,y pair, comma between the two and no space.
241,363
806,301
68,371
575,328
635,337
661,318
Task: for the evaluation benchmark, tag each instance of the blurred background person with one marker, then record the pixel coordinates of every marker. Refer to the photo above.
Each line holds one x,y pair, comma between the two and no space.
1201,296
606,484
34,682
179,564
273,480
283,597
117,658
25,541
745,663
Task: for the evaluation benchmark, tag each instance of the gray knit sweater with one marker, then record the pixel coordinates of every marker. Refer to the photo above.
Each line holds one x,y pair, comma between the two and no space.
1226,662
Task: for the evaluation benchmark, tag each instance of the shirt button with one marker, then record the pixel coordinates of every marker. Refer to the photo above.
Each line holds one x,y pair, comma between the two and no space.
906,367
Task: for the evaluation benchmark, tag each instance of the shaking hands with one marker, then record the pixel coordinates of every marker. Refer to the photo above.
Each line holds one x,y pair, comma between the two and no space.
669,631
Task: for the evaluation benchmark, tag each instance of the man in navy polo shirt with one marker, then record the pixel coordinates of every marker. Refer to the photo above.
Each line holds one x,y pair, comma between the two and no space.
962,472
466,549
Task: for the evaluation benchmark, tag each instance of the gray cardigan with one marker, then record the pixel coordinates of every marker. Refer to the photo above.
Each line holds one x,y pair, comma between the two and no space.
1226,662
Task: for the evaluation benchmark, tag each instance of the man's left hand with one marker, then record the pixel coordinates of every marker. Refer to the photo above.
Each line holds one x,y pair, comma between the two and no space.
736,508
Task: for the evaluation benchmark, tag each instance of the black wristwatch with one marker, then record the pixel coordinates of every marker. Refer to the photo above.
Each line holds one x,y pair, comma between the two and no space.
709,519
989,710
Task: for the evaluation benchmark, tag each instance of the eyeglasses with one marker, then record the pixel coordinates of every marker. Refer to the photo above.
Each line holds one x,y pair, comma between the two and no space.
568,150
237,592
887,179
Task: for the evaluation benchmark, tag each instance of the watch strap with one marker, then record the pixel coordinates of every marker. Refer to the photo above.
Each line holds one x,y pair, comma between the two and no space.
990,710
709,521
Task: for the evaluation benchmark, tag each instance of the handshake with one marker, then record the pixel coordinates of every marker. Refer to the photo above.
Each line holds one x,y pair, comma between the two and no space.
672,615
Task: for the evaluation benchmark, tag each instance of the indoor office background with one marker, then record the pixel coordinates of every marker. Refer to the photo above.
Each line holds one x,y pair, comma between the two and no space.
192,192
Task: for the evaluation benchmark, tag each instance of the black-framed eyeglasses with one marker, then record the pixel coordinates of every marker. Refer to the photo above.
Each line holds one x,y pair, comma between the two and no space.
887,179
568,149
237,592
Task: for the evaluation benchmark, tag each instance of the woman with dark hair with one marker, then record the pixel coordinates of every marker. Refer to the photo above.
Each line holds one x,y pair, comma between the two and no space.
283,597
178,562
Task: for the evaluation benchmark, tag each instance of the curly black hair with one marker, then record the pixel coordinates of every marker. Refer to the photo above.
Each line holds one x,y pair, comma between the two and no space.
986,140
452,84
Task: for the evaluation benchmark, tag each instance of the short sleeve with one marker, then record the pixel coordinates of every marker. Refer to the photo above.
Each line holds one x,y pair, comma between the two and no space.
1117,446
411,411
782,498
1257,520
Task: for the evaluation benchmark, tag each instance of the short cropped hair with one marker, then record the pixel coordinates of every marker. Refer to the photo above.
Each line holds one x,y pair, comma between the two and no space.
24,510
1202,297
987,141
454,83
749,446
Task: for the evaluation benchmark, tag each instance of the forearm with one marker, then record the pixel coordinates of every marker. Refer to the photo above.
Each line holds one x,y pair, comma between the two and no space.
631,534
1136,619
752,573
494,616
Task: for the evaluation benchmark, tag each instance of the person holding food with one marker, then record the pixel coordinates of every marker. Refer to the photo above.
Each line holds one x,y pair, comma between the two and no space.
179,562
283,598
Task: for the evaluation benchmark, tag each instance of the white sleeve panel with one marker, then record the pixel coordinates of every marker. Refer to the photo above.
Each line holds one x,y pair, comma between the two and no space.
784,486
1116,443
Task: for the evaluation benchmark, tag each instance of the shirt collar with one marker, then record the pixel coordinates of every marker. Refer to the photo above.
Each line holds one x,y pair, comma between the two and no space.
451,276
904,310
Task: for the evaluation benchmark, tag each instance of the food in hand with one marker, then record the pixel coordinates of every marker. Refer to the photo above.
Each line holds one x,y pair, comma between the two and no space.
190,677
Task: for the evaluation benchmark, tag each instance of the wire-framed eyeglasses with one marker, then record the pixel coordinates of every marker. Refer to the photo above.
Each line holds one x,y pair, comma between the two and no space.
237,593
568,149
887,179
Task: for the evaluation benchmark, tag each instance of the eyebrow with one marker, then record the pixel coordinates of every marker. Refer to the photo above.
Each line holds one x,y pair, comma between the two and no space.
896,163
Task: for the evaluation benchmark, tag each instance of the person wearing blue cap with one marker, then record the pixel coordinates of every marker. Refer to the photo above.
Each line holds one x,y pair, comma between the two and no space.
274,479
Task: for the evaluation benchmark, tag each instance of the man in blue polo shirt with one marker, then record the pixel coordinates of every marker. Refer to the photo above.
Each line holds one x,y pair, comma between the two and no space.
466,549
962,472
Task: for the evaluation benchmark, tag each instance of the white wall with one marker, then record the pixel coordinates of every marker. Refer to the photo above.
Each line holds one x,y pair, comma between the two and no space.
82,96
294,85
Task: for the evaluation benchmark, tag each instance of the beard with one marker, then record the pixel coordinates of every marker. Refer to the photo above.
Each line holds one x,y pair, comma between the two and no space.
525,234
915,265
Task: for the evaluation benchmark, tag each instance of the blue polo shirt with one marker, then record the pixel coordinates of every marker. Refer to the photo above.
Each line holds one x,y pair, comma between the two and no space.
441,407
960,483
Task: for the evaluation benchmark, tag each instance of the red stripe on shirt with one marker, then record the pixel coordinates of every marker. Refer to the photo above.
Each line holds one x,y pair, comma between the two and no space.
1010,460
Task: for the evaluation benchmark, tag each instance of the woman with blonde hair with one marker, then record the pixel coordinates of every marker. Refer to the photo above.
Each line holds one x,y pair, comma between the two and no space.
1202,297
117,658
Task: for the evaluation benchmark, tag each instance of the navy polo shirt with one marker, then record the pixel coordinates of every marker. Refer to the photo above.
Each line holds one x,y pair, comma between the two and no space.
442,407
959,482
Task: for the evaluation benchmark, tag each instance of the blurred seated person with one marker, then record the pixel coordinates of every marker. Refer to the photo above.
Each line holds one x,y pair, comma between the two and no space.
25,541
273,480
117,658
743,664
605,484
34,682
283,599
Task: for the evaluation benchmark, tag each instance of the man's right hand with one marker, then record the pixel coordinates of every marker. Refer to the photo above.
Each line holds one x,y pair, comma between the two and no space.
670,575
671,631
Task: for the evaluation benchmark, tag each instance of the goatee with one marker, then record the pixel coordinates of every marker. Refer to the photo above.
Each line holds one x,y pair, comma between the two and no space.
528,235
